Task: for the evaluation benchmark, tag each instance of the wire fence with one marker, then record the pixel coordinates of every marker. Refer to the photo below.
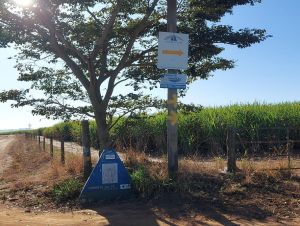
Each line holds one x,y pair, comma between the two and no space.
252,144
255,144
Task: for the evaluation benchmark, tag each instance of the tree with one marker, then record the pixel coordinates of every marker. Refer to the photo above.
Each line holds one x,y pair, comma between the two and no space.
80,51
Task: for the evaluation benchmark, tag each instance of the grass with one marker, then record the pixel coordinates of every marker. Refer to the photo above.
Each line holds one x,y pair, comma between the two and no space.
73,165
203,132
150,178
67,190
43,179
37,180
49,184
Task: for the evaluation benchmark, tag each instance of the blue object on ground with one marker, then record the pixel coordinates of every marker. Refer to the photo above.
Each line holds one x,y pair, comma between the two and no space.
109,180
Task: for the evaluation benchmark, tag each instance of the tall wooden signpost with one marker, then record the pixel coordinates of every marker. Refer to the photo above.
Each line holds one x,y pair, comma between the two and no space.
172,55
172,134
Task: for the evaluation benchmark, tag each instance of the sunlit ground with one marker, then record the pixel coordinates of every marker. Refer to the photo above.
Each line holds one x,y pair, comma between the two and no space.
24,2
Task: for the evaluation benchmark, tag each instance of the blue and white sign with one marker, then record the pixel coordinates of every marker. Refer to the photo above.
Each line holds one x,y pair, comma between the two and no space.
173,81
109,180
173,51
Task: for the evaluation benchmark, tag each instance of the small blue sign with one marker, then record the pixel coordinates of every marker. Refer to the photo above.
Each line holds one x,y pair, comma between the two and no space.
173,81
109,180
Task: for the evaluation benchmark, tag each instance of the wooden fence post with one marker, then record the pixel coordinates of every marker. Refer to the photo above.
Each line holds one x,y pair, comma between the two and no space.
44,143
231,152
39,137
87,162
62,150
288,148
51,147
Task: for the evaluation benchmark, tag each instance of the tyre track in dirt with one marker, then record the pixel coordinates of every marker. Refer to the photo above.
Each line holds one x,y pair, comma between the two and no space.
5,159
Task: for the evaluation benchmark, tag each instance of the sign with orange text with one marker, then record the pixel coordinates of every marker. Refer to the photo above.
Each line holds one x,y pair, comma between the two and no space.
173,51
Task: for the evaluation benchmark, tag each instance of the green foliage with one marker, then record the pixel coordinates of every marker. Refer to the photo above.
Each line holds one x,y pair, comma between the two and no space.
68,131
197,131
142,181
66,190
76,52
147,184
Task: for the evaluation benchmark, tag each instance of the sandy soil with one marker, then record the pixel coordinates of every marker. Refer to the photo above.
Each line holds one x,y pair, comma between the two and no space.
123,214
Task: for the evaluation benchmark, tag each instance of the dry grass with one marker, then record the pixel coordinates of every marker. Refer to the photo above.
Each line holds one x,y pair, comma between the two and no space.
57,171
74,164
277,169
27,160
32,166
133,157
195,174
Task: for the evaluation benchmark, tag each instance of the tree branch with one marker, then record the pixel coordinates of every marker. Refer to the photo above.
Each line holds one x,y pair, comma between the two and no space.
107,30
60,50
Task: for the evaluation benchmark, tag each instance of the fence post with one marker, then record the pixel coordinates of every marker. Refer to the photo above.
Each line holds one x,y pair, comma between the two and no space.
44,143
86,144
51,147
39,137
231,152
288,144
62,150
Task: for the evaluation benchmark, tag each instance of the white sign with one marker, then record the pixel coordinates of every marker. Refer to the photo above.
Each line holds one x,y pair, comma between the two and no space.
173,81
110,156
110,173
173,51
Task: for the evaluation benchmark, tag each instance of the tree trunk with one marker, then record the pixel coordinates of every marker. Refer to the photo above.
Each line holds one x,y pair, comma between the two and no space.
103,133
102,127
100,109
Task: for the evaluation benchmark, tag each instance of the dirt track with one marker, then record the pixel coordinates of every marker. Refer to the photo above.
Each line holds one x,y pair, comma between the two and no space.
123,214
4,157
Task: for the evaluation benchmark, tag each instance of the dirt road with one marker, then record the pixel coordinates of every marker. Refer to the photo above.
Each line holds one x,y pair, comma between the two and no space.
4,157
119,215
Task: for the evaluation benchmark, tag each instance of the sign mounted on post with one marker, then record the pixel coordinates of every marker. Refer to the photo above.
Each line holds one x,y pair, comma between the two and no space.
173,81
109,180
173,51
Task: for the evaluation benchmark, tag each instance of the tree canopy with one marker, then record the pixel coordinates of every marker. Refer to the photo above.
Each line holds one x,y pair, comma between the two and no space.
78,52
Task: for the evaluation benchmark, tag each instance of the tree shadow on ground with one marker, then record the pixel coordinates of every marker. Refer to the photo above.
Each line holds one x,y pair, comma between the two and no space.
130,212
205,203
178,207
174,209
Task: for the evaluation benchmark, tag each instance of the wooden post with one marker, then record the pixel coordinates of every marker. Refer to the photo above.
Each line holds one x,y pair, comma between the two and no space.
231,152
51,147
62,150
288,144
87,162
39,137
44,143
172,134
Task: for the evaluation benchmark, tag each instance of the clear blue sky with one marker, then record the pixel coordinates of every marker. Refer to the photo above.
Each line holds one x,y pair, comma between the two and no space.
266,72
